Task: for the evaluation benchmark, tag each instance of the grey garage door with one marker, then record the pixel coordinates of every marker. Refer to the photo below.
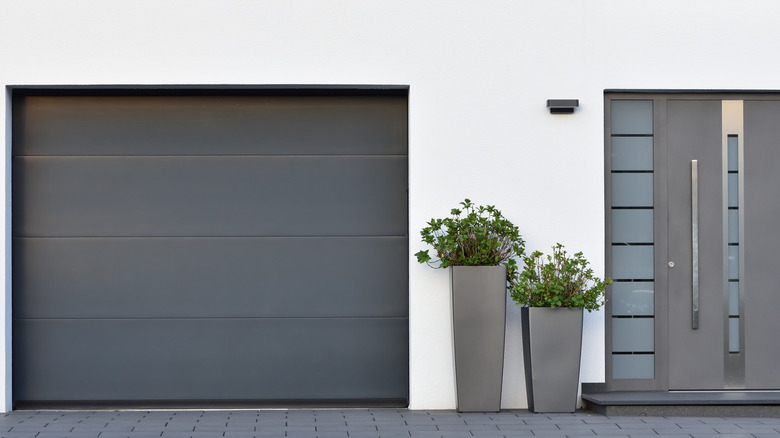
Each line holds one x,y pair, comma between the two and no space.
207,248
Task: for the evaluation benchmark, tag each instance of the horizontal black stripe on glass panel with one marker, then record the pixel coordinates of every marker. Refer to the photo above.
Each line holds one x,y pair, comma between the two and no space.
626,353
632,243
631,135
650,207
633,316
632,171
632,280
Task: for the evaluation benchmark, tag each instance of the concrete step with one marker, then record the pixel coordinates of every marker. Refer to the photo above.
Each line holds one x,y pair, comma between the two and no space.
684,403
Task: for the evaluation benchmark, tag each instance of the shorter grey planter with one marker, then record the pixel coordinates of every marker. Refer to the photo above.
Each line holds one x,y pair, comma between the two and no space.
552,344
479,321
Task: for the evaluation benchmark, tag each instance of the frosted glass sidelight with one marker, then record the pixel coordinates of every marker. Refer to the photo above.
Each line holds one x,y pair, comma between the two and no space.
733,151
632,153
632,262
733,263
632,226
733,298
633,366
733,226
632,117
632,190
633,298
633,335
733,335
733,190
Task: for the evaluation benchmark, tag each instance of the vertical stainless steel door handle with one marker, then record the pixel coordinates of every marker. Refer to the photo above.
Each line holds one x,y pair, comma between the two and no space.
694,244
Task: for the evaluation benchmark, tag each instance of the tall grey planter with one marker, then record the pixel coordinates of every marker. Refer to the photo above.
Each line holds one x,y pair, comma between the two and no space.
479,321
552,344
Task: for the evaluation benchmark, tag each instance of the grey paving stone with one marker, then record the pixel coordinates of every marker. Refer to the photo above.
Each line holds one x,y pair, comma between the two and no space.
533,427
427,434
611,432
459,422
394,421
675,433
405,428
578,435
271,424
89,427
182,434
517,433
366,427
67,435
649,435
471,427
493,434
567,420
740,430
268,434
337,428
523,426
296,428
549,433
584,434
575,426
238,428
27,428
455,434
317,435
270,429
211,429
420,420
119,428
717,435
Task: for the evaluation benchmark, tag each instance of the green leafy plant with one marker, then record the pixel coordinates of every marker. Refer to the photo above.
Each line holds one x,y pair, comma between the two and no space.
472,236
558,280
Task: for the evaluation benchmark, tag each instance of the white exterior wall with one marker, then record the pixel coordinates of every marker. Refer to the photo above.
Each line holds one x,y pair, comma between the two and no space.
479,74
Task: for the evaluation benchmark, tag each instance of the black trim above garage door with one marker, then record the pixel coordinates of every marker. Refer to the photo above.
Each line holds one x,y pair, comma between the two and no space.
210,246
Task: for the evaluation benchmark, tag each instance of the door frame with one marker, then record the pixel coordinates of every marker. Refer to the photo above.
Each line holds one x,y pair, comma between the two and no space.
14,92
660,381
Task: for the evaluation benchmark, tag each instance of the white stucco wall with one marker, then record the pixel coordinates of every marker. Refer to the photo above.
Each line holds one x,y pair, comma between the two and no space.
479,74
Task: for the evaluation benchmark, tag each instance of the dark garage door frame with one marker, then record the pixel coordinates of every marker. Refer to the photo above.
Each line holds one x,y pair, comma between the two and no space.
357,343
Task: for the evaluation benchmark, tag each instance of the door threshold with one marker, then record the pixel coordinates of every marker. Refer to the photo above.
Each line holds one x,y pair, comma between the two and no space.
730,403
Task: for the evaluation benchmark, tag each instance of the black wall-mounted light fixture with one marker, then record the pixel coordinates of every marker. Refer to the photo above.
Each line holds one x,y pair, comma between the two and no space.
562,106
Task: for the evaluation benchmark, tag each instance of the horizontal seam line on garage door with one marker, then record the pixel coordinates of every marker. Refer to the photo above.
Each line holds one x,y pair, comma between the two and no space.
217,156
365,236
209,318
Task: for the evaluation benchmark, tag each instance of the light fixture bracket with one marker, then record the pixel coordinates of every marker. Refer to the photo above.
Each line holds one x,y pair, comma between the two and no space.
562,106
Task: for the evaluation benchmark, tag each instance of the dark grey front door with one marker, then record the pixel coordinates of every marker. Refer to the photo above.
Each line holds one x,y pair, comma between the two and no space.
208,247
722,159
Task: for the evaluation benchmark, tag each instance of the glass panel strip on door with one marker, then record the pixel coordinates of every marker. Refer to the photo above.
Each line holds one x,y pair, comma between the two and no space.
632,294
734,344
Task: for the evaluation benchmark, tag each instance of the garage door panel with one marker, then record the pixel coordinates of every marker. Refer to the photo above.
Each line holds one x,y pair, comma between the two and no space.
210,196
218,277
209,125
230,359
210,247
